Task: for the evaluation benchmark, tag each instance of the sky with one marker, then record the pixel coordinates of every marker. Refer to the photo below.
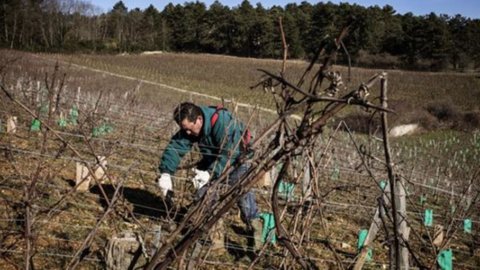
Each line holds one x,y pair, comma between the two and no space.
466,8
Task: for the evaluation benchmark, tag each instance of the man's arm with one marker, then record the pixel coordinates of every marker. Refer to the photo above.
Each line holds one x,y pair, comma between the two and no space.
178,146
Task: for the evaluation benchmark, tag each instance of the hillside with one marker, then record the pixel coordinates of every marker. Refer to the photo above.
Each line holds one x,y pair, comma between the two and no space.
124,108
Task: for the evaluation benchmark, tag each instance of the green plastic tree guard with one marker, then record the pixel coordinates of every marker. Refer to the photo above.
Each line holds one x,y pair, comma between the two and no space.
362,236
101,130
35,126
62,122
73,116
423,199
428,219
467,225
383,184
97,131
286,190
444,259
44,109
268,227
335,173
107,128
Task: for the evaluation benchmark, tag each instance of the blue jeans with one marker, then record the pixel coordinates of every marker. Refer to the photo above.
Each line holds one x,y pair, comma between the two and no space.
247,204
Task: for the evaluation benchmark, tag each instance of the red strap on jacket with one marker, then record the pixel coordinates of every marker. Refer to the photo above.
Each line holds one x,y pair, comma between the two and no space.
215,115
247,136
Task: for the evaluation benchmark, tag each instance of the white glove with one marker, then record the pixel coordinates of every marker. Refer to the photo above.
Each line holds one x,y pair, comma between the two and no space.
201,178
165,183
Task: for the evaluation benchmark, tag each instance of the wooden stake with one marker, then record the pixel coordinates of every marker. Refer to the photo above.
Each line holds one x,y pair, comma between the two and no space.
99,171
468,199
307,182
438,235
12,124
403,229
393,181
77,98
83,178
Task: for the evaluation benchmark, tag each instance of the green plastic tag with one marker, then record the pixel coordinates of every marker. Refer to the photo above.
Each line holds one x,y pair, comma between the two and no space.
35,126
362,236
467,225
444,259
268,227
1,126
428,219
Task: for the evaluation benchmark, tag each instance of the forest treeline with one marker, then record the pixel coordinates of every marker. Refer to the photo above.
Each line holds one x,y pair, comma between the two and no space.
380,37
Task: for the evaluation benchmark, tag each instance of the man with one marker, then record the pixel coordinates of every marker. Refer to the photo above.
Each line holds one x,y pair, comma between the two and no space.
221,139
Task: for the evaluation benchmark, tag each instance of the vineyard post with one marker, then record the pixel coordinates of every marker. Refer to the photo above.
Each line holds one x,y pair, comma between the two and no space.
402,226
398,201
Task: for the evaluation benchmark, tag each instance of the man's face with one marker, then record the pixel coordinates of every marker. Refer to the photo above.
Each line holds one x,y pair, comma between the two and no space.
192,128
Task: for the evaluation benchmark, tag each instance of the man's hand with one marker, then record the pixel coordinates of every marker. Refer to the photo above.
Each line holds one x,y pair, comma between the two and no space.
201,178
165,183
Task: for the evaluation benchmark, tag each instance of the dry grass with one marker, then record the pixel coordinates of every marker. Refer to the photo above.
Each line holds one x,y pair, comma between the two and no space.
230,77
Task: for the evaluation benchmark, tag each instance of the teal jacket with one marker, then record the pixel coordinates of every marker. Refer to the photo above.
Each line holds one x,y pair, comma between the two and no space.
216,143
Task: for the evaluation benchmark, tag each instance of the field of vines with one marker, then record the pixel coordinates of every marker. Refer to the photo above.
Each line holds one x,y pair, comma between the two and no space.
111,117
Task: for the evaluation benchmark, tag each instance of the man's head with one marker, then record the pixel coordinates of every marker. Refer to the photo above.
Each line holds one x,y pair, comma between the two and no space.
189,117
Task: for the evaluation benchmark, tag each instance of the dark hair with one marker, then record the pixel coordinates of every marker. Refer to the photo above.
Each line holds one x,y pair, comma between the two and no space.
186,110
